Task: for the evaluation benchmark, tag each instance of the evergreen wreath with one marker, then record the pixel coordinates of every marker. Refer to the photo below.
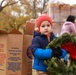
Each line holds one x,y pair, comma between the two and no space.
55,65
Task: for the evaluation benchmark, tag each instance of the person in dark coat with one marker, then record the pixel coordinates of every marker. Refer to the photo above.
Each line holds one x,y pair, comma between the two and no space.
41,39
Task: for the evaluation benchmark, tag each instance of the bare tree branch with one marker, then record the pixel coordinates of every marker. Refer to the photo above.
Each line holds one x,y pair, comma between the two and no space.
8,4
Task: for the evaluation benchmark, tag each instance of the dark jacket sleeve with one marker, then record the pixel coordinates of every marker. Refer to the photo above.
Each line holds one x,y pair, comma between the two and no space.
34,45
38,52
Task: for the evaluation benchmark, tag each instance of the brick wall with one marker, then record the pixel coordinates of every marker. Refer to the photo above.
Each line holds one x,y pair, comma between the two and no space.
59,13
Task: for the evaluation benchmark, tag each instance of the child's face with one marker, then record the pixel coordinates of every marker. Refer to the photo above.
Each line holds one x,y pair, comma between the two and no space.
45,28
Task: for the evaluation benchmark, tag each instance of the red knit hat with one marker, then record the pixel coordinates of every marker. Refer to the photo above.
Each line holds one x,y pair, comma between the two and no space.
43,17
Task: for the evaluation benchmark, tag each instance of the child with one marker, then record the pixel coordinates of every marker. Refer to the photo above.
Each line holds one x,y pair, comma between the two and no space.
69,26
39,43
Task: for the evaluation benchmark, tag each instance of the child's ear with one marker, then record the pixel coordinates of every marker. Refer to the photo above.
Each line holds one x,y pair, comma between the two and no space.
36,29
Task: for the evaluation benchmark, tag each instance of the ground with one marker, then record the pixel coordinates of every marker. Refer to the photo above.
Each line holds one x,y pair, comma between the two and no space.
33,72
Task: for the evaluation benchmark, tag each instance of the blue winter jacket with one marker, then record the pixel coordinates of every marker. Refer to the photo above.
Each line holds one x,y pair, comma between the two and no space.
40,52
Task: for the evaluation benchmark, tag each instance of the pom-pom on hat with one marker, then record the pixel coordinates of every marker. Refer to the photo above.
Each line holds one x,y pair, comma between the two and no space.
43,17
